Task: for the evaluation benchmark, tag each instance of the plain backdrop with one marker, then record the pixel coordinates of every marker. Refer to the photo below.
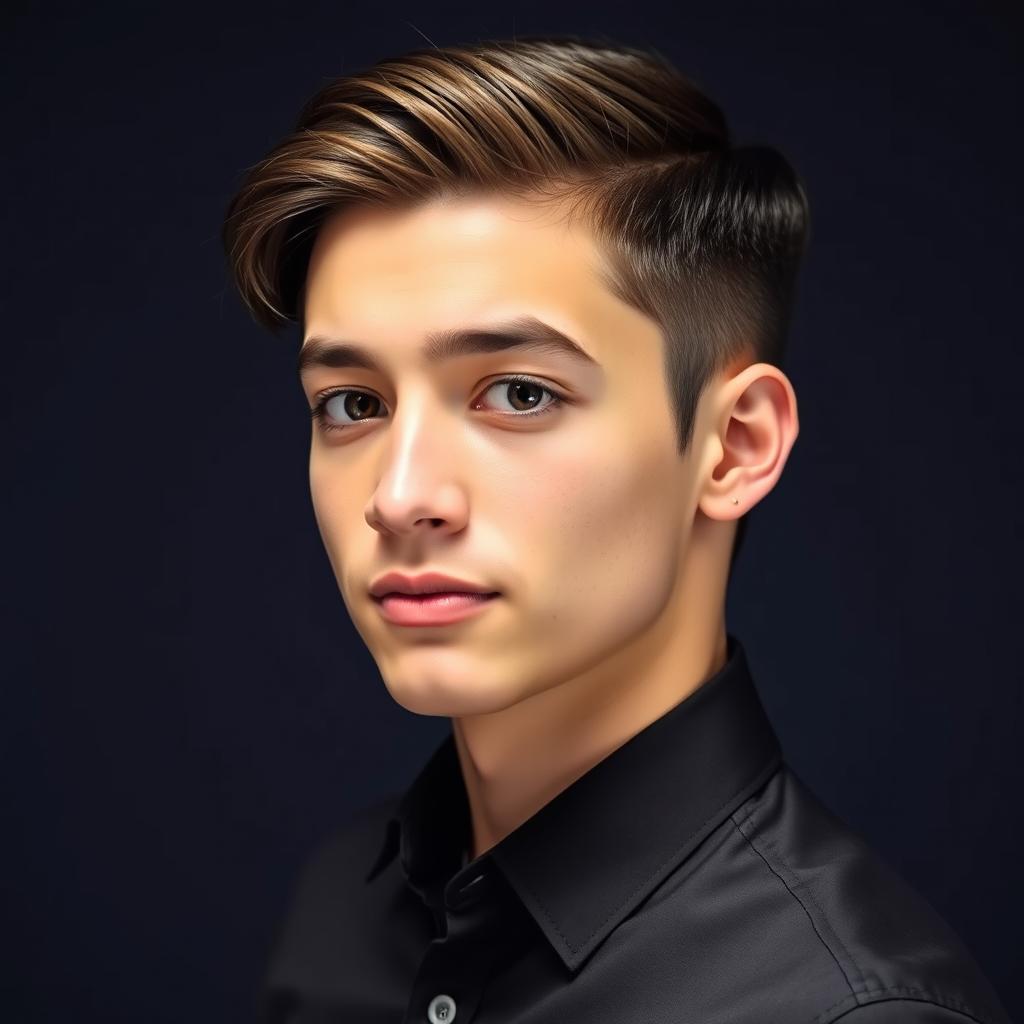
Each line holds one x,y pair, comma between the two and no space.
187,708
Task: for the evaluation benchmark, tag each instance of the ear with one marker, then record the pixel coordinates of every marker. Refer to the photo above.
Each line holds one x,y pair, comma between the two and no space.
754,424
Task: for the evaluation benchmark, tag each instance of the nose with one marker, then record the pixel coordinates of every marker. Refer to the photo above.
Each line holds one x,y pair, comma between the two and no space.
418,490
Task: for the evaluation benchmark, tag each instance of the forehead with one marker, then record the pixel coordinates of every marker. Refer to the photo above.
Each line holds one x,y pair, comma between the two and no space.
448,259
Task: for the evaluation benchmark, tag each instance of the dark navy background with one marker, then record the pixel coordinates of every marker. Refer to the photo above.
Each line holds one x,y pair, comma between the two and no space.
187,707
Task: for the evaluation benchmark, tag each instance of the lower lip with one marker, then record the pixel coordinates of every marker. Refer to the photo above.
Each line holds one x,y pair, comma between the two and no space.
431,609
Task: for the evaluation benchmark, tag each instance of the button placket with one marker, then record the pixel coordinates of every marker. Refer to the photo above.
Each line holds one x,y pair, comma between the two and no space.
458,959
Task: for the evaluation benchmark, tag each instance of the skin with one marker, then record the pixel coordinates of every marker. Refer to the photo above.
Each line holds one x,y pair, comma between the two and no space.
609,548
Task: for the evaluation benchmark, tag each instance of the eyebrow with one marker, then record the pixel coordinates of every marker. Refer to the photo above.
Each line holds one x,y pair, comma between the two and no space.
522,333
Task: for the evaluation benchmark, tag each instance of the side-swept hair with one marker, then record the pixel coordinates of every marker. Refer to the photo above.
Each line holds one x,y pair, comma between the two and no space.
703,237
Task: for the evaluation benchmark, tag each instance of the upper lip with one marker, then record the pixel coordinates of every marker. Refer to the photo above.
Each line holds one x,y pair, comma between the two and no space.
427,583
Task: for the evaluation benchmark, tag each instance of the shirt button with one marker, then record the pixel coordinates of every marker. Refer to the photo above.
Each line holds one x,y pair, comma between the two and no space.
441,1010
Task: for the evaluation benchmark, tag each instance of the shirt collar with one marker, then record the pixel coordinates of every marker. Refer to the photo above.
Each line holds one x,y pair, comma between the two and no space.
590,855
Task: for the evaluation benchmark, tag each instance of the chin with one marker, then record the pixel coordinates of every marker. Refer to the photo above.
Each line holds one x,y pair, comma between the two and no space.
452,695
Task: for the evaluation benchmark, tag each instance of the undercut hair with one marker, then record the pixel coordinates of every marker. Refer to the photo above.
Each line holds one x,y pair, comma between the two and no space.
704,237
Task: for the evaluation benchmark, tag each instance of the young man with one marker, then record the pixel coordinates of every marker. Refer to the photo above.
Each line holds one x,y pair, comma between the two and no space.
543,302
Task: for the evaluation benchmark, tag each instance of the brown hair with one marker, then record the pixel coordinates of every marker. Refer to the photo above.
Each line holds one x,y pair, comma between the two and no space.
704,237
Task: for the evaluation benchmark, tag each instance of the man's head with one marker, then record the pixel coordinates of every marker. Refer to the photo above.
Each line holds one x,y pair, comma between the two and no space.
501,190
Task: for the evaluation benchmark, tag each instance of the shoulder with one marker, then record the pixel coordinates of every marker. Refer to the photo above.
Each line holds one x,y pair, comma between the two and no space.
328,899
345,856
879,950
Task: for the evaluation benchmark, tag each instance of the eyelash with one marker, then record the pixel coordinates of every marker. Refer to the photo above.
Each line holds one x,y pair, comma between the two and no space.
322,399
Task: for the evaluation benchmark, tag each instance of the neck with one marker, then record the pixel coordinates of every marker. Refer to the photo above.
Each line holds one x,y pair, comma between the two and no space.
516,760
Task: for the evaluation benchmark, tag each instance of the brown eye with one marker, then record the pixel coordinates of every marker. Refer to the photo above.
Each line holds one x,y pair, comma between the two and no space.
342,409
527,394
525,397
356,405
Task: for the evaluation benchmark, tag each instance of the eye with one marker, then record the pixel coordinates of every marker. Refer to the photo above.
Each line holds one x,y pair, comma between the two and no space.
524,395
343,408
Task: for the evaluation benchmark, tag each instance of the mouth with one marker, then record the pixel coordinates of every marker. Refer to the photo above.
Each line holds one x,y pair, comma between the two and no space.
440,608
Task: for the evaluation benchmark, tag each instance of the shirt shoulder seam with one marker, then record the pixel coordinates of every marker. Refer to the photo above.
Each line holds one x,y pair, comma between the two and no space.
902,994
856,983
860,989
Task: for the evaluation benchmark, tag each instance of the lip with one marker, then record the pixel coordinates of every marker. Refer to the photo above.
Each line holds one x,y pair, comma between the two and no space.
425,583
440,608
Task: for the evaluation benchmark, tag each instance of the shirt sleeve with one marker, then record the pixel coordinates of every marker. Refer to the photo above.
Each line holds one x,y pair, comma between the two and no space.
906,1011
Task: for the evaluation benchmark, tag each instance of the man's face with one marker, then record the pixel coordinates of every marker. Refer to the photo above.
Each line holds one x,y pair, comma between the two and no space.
578,515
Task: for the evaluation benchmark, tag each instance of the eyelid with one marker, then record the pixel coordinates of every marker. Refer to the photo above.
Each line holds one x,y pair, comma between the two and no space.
498,379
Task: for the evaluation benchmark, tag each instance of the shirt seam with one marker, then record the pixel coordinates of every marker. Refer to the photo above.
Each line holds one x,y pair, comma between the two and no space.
853,985
896,992
899,993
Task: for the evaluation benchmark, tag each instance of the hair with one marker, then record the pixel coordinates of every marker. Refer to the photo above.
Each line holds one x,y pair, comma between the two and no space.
704,237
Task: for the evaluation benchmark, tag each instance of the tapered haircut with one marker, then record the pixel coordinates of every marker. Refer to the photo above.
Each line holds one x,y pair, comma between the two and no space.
704,237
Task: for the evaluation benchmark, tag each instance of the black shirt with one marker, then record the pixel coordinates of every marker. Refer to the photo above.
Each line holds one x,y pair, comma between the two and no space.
690,877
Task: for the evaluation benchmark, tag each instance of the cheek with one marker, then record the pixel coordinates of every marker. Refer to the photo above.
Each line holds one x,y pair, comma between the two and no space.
334,507
605,539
